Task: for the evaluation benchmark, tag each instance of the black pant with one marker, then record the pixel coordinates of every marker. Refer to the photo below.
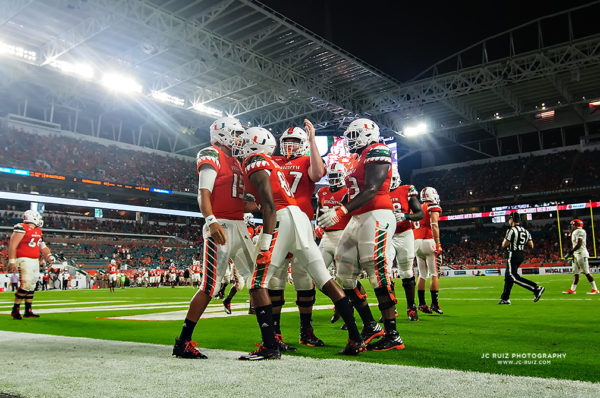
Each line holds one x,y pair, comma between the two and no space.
515,259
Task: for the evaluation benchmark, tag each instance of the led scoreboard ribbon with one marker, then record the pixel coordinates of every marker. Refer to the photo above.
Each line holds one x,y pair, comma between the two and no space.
531,210
38,174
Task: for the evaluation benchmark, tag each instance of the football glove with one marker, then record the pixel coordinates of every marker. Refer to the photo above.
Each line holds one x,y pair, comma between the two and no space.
264,257
400,216
332,216
438,249
51,259
319,233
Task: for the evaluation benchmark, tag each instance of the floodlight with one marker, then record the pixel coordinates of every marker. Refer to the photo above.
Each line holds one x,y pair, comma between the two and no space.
418,129
81,70
120,83
18,52
164,97
207,110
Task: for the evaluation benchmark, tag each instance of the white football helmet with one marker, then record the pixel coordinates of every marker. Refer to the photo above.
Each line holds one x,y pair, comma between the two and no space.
360,133
396,180
248,218
336,174
224,130
254,140
33,217
429,194
288,145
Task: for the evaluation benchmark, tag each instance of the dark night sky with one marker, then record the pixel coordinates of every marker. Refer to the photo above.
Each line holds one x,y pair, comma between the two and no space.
402,38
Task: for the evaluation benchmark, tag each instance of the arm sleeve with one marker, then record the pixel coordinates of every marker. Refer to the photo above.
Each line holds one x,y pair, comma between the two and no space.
206,178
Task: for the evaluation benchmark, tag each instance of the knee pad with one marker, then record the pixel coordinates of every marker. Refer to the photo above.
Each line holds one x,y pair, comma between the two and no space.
384,292
408,282
277,298
21,294
305,293
354,298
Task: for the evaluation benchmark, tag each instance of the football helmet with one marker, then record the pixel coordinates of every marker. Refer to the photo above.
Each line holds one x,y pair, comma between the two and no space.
396,181
576,223
336,174
33,217
429,194
360,133
248,218
254,140
224,130
288,144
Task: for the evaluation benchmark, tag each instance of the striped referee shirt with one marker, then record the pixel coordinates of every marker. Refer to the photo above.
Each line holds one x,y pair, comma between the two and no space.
518,238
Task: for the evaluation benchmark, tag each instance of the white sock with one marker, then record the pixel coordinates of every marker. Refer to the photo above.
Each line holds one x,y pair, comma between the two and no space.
573,287
593,283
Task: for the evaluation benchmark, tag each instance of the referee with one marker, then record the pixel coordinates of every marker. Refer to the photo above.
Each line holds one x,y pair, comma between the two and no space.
515,241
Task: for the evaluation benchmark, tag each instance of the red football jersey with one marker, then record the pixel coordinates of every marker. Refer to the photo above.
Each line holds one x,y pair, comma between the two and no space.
281,191
400,197
355,180
227,197
332,200
29,245
112,269
301,186
172,269
423,227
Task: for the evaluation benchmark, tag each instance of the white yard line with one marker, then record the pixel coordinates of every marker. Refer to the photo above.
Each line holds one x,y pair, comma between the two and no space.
36,365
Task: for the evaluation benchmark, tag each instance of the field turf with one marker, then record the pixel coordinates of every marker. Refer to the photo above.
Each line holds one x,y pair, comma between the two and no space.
473,326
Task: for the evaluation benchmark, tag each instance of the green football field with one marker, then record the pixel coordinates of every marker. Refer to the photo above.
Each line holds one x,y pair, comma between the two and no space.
472,333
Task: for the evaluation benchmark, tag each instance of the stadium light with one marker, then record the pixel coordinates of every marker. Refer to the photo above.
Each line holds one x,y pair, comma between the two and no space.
418,129
18,52
207,110
84,71
170,99
120,83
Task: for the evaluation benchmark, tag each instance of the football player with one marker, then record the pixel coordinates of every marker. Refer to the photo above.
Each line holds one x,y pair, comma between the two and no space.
428,249
24,249
220,197
368,235
286,229
302,172
112,274
407,209
580,255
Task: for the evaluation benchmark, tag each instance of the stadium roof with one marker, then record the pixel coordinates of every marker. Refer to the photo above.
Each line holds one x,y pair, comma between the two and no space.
244,59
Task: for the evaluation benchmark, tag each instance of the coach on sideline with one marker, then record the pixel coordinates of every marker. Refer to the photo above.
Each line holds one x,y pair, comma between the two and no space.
515,241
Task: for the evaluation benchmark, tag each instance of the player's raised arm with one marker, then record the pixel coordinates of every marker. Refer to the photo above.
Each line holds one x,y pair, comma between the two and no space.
316,170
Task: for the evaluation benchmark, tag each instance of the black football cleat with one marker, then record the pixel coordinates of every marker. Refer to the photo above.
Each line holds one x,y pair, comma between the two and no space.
371,331
227,306
307,337
262,353
283,347
335,317
187,349
30,314
425,308
251,311
16,315
353,348
389,341
412,313
436,308
344,327
538,293
504,302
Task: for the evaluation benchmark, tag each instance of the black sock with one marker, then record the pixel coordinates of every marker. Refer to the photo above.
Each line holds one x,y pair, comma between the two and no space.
365,313
421,297
277,323
27,307
409,291
434,297
232,293
16,307
187,330
344,308
389,325
264,316
222,290
305,321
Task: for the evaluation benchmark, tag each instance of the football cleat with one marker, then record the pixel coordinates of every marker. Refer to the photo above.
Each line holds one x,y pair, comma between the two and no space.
570,291
30,315
538,293
187,349
336,316
283,347
307,337
251,311
371,331
344,327
227,306
594,291
412,313
436,308
425,308
262,353
353,348
16,315
389,341
507,302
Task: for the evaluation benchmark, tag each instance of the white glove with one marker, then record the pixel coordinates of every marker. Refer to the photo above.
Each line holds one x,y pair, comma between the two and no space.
400,216
51,259
332,216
